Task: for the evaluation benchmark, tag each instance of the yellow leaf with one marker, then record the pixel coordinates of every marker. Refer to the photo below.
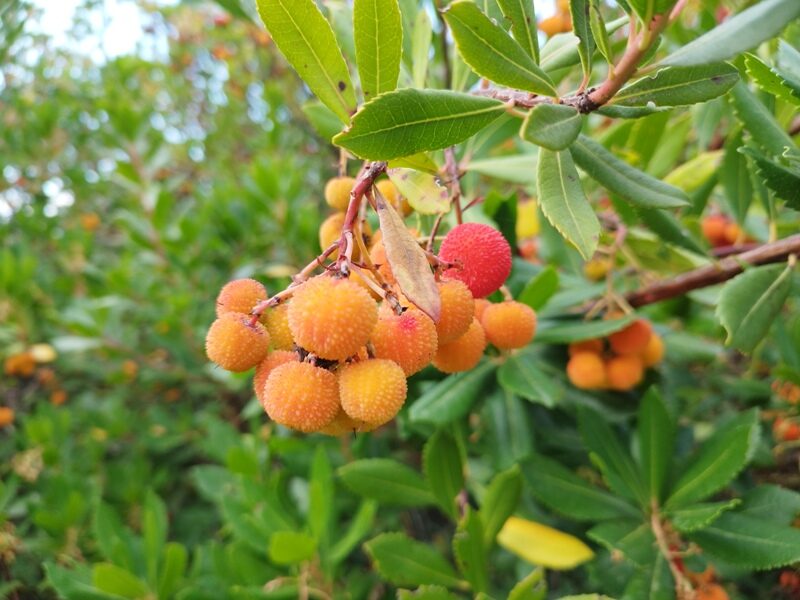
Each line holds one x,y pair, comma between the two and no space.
542,545
692,174
422,190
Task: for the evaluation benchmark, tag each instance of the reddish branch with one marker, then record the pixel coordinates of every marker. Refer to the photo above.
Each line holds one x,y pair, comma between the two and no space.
364,182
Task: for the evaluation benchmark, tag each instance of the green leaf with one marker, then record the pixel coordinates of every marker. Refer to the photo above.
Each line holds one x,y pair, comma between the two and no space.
451,398
772,503
378,32
112,536
770,81
469,550
491,52
116,580
540,289
500,501
291,547
669,229
441,461
360,526
531,587
322,119
750,302
699,516
387,481
581,26
576,331
552,126
741,32
568,494
307,41
561,50
651,583
523,24
631,184
403,561
780,179
320,496
506,424
744,541
632,537
679,86
519,374
519,168
408,121
564,203
656,432
420,47
426,592
154,532
734,174
758,121
599,32
717,462
173,568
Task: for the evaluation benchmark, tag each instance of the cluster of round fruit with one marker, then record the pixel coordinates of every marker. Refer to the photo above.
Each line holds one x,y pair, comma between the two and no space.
719,230
331,359
617,362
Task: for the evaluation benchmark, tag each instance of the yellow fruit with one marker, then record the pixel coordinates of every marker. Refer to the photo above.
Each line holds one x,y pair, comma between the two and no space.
480,306
372,390
527,219
342,425
240,295
6,416
389,191
624,372
586,371
633,339
332,317
597,268
378,256
595,346
337,192
266,366
331,230
301,396
463,353
509,325
458,310
558,23
236,345
654,351
276,321
408,339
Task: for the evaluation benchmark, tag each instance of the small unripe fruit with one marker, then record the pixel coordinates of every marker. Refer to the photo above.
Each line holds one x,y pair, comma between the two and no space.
463,353
372,390
624,372
337,192
527,219
558,23
785,431
711,591
301,396
378,256
236,345
409,339
6,416
586,371
240,295
595,346
654,351
480,306
713,227
732,233
332,317
509,325
331,230
276,321
343,425
597,268
633,339
484,256
458,310
266,366
389,191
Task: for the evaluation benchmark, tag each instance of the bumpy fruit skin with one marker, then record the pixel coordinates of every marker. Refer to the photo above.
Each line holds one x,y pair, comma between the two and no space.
633,339
463,353
654,351
624,372
586,371
276,321
234,344
372,390
595,346
408,339
484,254
509,325
240,295
301,396
332,317
480,306
266,366
458,310
337,192
6,416
343,425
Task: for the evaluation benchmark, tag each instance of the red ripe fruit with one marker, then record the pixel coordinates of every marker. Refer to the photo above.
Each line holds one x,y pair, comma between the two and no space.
484,256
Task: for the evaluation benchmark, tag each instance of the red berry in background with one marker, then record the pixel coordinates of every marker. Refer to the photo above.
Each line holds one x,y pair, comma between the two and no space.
484,256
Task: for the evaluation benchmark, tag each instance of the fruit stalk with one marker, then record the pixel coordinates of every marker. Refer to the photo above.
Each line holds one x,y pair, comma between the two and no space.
364,182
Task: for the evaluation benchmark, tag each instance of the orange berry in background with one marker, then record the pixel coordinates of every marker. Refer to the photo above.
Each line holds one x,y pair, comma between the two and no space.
240,296
58,397
389,191
236,345
337,192
21,364
482,254
372,390
595,346
654,351
332,317
330,230
343,424
713,228
558,23
463,353
633,339
784,430
711,591
409,339
378,256
266,366
89,221
509,325
597,268
732,233
276,320
6,416
458,310
480,306
586,371
301,396
624,372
